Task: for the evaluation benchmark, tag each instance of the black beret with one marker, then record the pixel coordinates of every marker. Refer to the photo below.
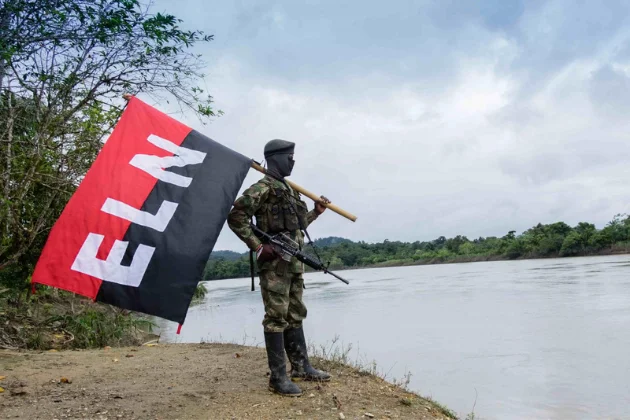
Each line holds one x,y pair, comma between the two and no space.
278,146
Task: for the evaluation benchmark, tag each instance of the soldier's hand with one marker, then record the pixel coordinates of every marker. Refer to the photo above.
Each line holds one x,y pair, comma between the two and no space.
319,205
265,253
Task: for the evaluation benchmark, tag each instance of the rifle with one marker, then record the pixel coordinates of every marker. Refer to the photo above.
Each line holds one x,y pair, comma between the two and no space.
288,248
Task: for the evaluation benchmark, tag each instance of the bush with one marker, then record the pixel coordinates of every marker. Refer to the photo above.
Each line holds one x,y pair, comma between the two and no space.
57,319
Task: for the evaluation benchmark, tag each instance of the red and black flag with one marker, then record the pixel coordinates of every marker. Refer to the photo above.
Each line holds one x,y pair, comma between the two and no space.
138,231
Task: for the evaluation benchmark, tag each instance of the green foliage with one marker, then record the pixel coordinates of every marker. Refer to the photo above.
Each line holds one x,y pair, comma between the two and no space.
64,65
552,240
331,240
227,255
200,292
53,318
221,268
98,328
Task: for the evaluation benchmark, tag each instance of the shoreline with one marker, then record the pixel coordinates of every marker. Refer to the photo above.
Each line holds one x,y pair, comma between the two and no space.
191,381
459,260
473,259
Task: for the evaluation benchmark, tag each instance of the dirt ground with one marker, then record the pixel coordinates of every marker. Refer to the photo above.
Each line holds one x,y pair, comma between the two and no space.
186,381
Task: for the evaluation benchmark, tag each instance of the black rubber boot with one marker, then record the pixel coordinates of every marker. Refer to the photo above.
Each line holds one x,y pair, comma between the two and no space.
278,380
295,345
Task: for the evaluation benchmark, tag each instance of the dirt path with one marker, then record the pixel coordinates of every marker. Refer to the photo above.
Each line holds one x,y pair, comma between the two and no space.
186,381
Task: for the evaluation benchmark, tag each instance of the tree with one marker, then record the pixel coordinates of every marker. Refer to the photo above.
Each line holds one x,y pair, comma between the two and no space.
453,244
585,230
64,65
467,248
572,244
556,239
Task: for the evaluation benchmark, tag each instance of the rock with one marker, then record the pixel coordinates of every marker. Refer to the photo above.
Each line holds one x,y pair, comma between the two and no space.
341,416
19,391
370,415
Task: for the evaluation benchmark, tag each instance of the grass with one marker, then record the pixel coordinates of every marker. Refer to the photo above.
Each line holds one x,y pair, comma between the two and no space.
95,327
333,355
337,356
55,319
200,293
443,409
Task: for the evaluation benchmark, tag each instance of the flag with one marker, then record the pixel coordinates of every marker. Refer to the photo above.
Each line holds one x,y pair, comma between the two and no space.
139,229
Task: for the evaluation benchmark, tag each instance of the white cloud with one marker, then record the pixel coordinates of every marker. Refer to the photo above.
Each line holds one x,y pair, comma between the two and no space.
517,126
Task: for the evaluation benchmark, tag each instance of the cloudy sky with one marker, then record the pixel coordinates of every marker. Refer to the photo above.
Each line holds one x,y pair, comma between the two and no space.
428,118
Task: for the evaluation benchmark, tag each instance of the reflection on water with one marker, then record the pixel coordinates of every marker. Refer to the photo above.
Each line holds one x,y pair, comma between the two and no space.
527,339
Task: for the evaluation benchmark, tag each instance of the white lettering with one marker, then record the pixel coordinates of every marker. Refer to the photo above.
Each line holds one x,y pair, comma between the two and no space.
155,165
110,269
125,211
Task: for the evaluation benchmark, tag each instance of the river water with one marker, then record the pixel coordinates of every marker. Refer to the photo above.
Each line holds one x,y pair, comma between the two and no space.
519,339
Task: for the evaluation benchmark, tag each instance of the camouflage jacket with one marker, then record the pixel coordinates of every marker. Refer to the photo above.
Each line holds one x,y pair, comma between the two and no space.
268,200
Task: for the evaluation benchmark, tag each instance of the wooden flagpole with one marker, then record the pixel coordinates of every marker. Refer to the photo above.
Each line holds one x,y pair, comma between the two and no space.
298,188
312,196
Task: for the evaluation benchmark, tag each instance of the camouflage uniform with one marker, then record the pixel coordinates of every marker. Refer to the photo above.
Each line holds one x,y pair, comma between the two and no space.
281,282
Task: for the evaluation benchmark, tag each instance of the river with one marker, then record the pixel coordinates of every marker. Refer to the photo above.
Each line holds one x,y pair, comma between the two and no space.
519,339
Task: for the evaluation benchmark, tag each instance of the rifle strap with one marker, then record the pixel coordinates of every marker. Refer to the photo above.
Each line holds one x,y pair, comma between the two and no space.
251,259
302,227
251,266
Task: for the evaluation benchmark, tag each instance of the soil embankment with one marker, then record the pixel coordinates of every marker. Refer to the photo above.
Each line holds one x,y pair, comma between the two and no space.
188,381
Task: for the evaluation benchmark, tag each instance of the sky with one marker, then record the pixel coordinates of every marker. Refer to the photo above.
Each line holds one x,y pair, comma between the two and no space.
427,118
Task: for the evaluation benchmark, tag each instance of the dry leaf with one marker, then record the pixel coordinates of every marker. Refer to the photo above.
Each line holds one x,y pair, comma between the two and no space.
151,344
129,355
2,377
1,389
237,355
65,381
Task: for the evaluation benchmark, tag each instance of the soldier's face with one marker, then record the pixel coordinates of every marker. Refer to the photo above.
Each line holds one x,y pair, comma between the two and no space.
281,164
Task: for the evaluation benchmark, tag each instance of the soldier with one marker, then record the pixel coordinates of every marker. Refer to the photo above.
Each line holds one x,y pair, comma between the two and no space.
278,208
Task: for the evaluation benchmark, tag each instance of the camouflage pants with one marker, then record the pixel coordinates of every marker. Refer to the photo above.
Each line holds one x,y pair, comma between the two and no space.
282,297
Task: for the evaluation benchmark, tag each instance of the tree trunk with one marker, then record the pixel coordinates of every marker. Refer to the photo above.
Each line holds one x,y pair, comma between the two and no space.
4,29
9,161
